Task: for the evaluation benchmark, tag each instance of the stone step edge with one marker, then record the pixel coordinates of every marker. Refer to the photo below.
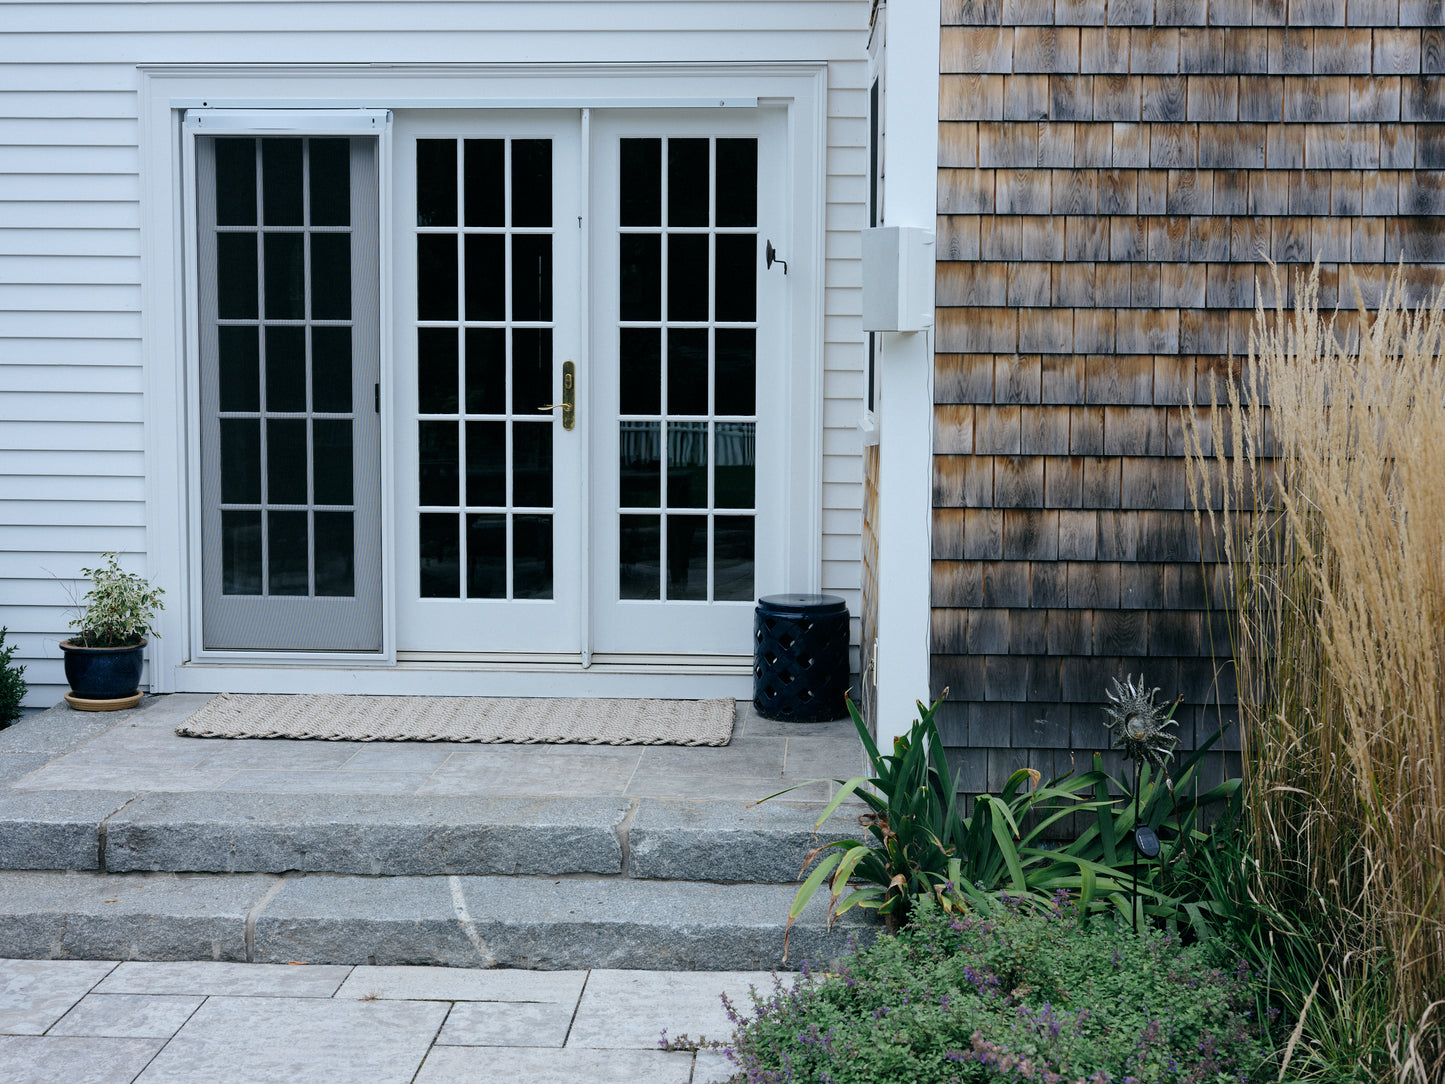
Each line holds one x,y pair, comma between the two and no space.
637,838
518,922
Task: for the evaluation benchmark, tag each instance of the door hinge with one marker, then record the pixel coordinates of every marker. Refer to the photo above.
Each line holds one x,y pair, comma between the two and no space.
376,397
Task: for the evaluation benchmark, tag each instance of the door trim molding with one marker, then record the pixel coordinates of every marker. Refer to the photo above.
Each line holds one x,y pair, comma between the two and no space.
169,420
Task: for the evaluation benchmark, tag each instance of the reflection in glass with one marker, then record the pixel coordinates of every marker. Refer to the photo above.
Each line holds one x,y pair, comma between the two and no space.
687,276
331,369
531,276
331,461
240,461
436,182
436,276
330,276
733,477
687,558
441,558
531,369
641,370
687,182
486,463
737,182
485,183
640,464
436,370
735,371
532,464
486,555
285,369
531,182
486,370
486,276
238,361
236,188
285,460
281,182
532,556
733,558
330,182
640,276
687,370
639,557
236,276
288,552
437,451
241,553
687,464
335,554
285,276
641,182
737,277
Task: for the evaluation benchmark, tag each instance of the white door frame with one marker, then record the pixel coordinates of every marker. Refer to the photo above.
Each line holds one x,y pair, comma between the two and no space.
170,417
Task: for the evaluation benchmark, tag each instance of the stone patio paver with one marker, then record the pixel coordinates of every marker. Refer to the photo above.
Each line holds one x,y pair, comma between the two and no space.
243,1040
65,1060
193,1023
127,1016
34,994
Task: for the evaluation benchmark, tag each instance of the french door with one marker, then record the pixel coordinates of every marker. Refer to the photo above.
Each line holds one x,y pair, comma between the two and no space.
589,380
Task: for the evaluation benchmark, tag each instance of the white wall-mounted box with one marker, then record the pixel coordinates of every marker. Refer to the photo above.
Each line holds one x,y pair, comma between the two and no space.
897,278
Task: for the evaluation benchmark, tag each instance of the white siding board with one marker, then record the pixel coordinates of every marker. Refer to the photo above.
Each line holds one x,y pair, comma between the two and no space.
38,214
76,487
68,297
82,270
68,242
95,187
82,538
73,352
106,514
75,401
69,325
87,104
78,435
87,131
67,462
68,76
106,379
80,158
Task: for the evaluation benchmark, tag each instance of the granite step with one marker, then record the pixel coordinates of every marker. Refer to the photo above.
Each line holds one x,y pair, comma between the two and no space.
543,923
406,836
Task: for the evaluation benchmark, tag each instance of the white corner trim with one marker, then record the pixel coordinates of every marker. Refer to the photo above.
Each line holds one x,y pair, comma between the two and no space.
905,422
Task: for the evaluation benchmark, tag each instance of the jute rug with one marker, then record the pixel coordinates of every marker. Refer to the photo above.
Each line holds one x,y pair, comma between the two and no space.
529,721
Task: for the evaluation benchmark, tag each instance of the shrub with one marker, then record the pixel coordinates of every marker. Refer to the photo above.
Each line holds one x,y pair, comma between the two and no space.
1321,476
12,683
118,609
1006,992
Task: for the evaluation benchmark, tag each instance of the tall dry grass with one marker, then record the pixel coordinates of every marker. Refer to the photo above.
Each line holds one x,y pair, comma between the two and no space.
1322,474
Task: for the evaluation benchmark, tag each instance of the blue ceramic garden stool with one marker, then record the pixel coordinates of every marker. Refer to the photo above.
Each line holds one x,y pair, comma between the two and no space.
800,657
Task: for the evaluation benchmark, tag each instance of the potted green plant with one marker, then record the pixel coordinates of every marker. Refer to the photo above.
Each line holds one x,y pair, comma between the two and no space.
103,659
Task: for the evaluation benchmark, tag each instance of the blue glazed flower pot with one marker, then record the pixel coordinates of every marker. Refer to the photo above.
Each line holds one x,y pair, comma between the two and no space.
103,673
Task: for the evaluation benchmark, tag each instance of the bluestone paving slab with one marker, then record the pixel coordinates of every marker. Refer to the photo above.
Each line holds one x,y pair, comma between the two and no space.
16,766
241,1040
61,775
225,832
755,726
396,756
504,1023
128,1016
34,994
533,1065
57,730
667,782
540,923
729,841
164,916
323,782
540,773
825,758
66,1060
712,1067
206,977
277,753
54,829
461,984
630,1009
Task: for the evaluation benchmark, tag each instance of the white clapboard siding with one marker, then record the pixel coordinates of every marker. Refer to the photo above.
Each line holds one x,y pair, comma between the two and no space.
72,468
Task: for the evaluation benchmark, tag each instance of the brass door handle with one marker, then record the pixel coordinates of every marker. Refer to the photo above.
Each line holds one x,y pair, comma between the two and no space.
569,396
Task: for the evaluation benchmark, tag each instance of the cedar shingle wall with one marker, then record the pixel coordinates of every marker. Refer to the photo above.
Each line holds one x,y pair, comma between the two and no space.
1110,179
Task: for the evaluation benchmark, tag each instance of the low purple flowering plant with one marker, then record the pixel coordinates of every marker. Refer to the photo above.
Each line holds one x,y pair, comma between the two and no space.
1009,991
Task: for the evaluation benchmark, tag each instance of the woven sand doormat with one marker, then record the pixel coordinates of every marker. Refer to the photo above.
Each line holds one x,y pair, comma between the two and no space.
529,721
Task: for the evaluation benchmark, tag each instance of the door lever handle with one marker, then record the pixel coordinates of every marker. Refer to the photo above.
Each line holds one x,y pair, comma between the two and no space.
569,396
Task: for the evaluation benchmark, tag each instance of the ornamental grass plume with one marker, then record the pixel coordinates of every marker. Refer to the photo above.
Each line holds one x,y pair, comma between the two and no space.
1323,479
